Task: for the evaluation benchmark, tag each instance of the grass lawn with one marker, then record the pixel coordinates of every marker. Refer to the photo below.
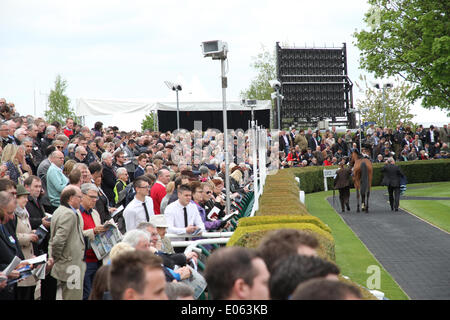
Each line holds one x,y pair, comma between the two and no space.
352,256
436,212
433,189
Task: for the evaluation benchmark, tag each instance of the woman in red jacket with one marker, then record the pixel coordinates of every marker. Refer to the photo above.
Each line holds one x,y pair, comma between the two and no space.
293,157
328,162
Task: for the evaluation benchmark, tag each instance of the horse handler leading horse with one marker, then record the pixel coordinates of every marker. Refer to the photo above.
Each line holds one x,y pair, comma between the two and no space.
342,183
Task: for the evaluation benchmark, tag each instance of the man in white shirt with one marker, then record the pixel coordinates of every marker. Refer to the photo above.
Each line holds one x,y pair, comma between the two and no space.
141,207
182,216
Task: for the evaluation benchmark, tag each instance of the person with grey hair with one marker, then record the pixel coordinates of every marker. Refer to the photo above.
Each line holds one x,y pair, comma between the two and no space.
138,239
179,291
121,183
80,154
12,126
91,227
4,137
27,143
391,178
20,134
56,180
50,133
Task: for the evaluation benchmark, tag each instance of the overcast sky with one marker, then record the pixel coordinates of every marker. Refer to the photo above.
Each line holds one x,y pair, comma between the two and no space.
127,49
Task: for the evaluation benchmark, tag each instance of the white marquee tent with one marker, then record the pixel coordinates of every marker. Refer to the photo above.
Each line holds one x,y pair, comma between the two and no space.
128,114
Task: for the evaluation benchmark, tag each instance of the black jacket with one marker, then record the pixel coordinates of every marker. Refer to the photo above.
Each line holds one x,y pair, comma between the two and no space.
283,143
342,179
36,214
108,183
391,175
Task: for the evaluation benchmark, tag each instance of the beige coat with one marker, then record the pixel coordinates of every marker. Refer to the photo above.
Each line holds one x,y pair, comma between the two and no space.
23,232
301,141
67,246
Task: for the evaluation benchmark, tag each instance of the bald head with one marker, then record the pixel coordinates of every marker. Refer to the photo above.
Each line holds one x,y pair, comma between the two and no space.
71,196
57,157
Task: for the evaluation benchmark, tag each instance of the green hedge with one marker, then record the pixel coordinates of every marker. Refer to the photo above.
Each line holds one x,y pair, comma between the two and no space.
283,219
419,171
250,236
281,196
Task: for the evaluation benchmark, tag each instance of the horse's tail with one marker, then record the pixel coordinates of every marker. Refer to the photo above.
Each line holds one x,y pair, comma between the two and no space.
364,178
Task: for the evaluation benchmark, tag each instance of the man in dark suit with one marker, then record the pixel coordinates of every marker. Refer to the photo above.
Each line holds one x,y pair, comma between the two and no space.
313,143
391,179
431,136
285,141
342,183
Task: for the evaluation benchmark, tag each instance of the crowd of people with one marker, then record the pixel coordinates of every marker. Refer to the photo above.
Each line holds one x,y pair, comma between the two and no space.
61,185
326,148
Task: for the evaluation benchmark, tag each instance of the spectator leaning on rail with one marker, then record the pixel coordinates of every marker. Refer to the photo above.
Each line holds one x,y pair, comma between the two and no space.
182,215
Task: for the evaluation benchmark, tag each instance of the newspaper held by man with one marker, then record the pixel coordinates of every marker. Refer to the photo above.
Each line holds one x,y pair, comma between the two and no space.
104,241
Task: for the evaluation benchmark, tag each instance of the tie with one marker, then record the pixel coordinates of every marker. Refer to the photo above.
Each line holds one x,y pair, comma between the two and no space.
185,217
185,221
146,211
37,203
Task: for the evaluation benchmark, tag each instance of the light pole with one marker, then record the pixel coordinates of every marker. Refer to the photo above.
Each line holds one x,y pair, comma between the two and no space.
218,50
276,85
175,87
385,85
252,104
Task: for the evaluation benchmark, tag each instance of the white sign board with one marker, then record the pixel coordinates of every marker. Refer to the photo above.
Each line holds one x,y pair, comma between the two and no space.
330,173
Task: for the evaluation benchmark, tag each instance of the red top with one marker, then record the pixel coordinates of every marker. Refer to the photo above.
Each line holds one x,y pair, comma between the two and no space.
327,163
157,193
89,224
68,132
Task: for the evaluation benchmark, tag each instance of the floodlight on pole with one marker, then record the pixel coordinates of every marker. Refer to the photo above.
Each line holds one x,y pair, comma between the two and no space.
218,50
385,86
175,87
251,103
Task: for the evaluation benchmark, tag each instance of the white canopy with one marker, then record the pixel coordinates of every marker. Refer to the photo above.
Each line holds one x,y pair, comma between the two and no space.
98,107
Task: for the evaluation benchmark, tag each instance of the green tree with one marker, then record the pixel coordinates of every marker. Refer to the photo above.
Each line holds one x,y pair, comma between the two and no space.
265,66
410,39
396,102
58,103
149,122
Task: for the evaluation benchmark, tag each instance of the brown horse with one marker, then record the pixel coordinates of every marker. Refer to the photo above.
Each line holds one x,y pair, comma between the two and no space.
362,179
